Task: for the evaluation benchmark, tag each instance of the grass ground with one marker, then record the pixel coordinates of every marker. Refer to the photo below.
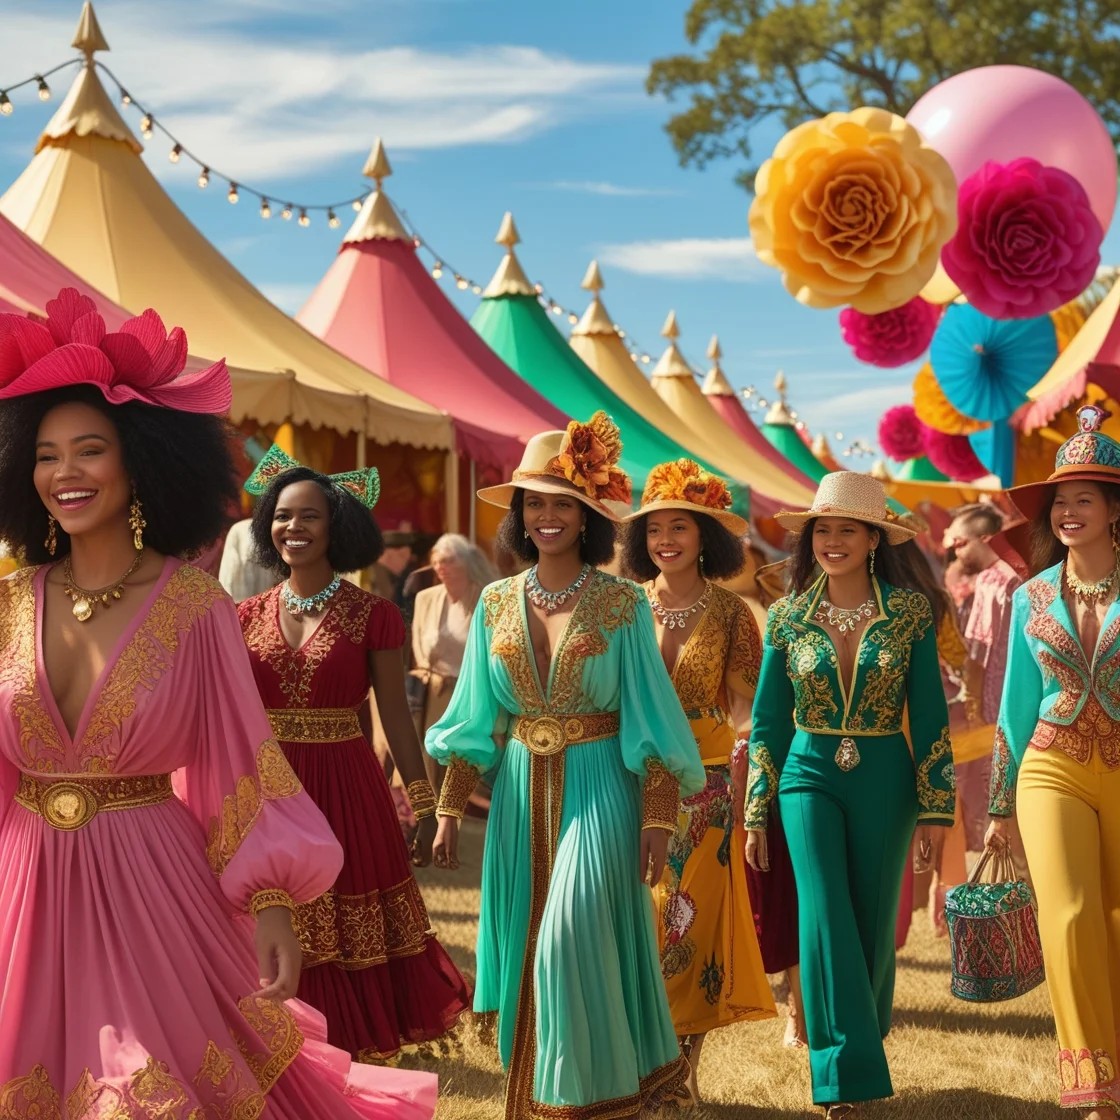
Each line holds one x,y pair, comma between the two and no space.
949,1060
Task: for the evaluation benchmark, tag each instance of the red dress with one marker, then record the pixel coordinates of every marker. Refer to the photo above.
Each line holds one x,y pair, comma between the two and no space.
372,964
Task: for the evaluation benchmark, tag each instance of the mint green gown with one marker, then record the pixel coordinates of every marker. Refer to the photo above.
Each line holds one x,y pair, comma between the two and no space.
567,951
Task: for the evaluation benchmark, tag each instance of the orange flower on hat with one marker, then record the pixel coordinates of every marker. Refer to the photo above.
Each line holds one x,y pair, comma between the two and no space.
588,458
854,208
686,481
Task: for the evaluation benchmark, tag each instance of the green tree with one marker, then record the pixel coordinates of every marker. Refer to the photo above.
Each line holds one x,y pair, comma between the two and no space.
786,61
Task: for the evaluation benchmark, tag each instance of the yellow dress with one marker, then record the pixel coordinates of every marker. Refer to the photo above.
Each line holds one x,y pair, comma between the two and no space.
710,957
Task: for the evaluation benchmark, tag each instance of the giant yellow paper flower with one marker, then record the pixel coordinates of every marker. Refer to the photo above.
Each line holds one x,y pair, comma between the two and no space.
854,208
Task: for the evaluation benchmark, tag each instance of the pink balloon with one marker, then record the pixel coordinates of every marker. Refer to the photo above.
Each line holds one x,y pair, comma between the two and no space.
1002,113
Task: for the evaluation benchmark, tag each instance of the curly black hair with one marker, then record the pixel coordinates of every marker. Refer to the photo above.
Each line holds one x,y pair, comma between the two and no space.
596,546
1046,550
180,465
723,552
355,539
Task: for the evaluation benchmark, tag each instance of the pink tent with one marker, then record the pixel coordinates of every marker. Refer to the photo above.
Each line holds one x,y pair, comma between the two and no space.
379,306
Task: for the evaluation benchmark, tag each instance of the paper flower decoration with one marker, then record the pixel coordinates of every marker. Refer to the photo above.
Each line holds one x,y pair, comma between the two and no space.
901,434
1028,240
684,480
854,208
935,411
891,338
953,456
588,458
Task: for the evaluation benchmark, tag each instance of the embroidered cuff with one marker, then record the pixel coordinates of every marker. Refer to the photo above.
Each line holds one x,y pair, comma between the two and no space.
661,798
458,785
937,781
1001,798
762,786
422,798
262,900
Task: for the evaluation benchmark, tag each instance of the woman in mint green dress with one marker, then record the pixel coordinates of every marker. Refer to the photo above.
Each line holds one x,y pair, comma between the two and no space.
562,661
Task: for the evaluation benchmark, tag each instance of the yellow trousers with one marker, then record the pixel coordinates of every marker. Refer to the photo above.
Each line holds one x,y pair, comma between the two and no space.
1069,814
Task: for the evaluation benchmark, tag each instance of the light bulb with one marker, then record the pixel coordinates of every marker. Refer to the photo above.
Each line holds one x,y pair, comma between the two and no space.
356,205
633,356
266,210
462,283
44,89
416,242
437,269
538,288
5,103
232,195
126,98
286,213
477,290
146,125
204,177
645,359
175,153
573,318
332,219
304,220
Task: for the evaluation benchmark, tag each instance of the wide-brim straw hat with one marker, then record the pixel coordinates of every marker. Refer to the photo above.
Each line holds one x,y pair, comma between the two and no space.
1088,456
550,457
684,485
852,497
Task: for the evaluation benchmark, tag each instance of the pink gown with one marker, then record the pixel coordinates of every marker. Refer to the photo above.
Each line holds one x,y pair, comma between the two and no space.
127,980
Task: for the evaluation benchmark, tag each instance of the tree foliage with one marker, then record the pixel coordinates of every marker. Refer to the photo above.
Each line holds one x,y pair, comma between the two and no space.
788,60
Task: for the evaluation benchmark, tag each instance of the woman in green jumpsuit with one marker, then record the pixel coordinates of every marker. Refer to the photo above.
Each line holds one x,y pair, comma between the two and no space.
847,654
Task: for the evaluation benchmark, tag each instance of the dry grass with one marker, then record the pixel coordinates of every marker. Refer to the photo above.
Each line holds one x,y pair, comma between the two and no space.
949,1060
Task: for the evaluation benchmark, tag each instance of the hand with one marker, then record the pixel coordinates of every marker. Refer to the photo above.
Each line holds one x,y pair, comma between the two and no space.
445,850
998,836
653,851
758,854
421,850
279,956
927,847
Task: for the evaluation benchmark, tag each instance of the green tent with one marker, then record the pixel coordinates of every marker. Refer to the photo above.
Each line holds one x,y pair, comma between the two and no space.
920,470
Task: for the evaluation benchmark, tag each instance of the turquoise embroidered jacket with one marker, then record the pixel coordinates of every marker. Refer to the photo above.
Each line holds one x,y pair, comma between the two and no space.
896,670
1054,696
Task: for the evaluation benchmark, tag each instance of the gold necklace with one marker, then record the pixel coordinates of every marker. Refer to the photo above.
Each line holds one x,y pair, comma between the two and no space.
843,619
84,601
1084,592
673,618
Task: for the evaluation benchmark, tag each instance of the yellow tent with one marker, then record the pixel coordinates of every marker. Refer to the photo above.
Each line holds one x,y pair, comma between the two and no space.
88,198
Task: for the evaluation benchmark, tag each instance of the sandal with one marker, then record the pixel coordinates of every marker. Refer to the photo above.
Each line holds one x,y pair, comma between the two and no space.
841,1112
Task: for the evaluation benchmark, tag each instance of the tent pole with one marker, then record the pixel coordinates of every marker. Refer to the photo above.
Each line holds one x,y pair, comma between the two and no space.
451,491
360,440
474,504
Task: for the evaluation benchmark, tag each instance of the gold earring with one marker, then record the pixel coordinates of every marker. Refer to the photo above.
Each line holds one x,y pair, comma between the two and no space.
1116,536
51,543
871,563
137,523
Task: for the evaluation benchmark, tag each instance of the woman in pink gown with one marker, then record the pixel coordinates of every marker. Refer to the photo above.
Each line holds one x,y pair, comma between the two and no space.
146,813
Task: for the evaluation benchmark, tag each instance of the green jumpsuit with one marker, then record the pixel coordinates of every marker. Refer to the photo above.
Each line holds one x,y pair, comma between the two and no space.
851,794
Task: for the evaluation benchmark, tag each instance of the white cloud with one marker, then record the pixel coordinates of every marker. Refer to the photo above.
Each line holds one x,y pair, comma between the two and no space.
255,104
610,190
688,258
855,414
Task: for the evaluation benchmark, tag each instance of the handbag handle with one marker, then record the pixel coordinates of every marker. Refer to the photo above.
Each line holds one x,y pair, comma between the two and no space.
1003,869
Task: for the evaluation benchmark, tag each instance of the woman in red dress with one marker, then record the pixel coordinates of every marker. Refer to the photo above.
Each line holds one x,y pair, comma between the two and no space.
372,964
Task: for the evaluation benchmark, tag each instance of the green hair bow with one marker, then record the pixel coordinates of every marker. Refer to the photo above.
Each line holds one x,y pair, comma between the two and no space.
364,485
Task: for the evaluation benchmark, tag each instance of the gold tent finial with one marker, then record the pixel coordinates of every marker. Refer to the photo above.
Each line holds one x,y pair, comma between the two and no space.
593,279
377,166
715,351
716,383
89,37
507,232
670,330
781,384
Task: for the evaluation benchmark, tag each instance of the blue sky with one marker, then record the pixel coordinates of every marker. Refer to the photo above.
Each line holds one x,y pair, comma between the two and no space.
484,106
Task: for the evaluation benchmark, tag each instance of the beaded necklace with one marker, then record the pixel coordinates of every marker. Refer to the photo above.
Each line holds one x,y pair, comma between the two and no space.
551,601
674,618
843,619
298,605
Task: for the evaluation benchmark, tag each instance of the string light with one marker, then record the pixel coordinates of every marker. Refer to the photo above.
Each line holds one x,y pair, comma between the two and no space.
332,219
146,126
204,178
266,209
126,98
461,282
44,89
304,220
437,269
286,213
175,153
5,103
356,205
232,195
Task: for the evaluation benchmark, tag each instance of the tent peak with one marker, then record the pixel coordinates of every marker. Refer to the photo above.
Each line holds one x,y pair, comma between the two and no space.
716,383
89,38
671,363
377,166
879,471
593,279
821,447
779,411
670,330
715,351
510,279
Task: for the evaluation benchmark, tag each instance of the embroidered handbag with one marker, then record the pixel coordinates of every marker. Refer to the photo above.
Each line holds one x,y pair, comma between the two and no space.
993,934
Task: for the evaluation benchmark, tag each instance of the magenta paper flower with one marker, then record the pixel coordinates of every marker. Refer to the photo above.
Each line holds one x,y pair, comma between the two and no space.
1027,240
891,338
901,434
953,456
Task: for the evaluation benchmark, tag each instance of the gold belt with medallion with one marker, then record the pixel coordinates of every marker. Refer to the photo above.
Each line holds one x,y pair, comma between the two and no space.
706,713
70,803
314,725
550,734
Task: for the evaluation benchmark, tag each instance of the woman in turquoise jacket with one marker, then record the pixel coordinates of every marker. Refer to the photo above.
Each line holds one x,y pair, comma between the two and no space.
846,656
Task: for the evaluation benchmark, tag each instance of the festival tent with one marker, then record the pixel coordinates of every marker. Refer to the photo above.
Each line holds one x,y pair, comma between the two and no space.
723,399
511,320
822,451
379,305
89,199
674,381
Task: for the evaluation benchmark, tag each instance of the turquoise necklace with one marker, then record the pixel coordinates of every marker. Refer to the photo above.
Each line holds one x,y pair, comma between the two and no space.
313,604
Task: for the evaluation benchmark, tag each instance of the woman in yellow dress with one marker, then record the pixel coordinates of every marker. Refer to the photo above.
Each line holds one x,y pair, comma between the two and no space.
684,536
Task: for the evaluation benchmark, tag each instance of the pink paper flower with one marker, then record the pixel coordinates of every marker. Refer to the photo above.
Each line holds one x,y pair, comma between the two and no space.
953,456
891,338
901,434
1027,241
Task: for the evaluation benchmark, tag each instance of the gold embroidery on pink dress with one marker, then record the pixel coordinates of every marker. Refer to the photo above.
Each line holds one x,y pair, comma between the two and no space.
276,1031
30,1098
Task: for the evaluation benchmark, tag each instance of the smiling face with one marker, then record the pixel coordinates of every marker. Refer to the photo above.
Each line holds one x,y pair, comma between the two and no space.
1081,515
553,521
841,546
673,540
301,525
79,469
